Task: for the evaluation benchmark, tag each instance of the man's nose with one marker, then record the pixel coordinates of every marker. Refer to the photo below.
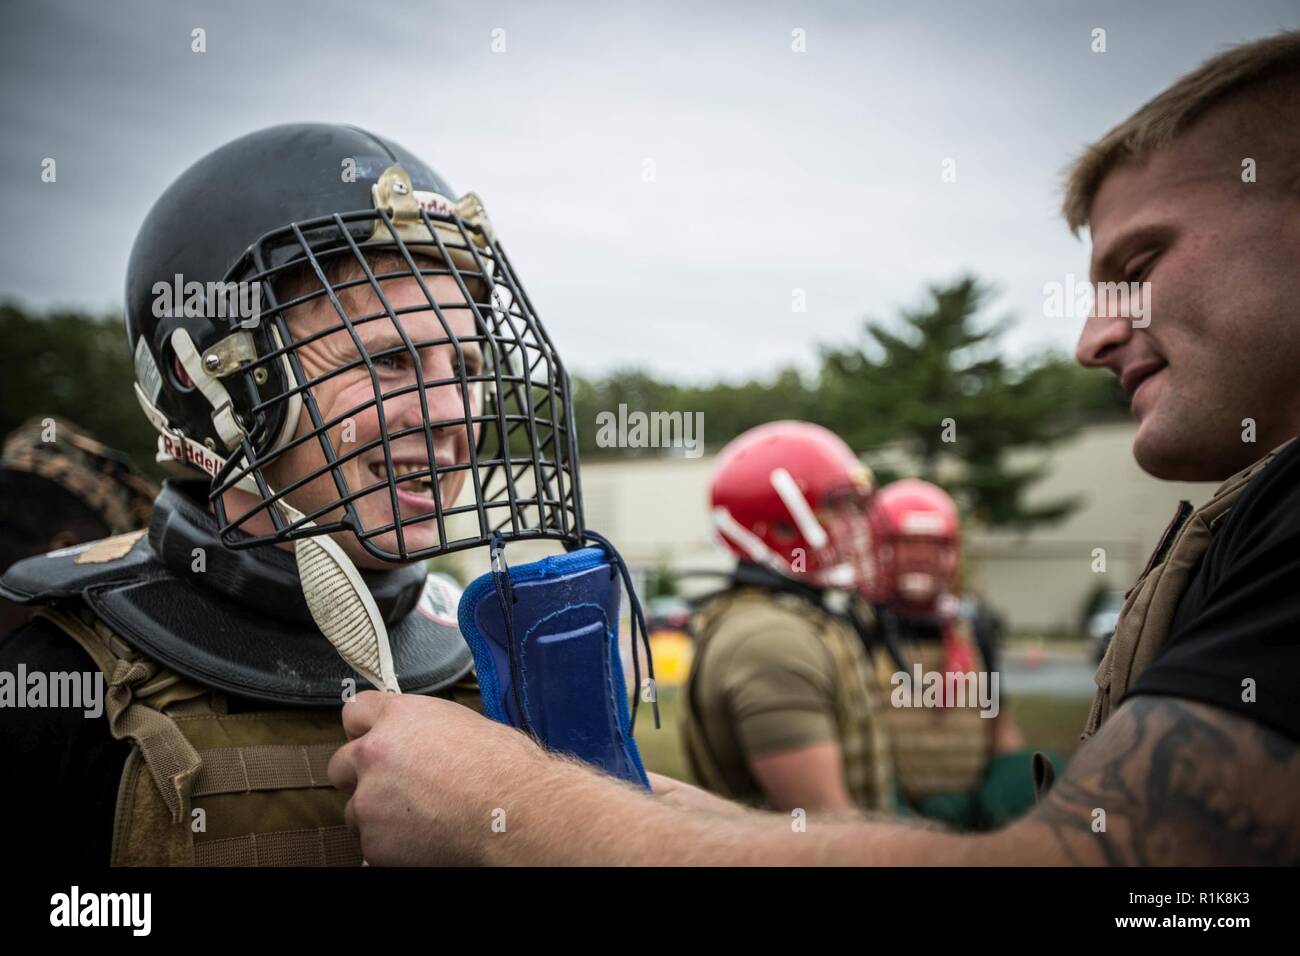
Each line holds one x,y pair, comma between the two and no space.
1102,334
443,394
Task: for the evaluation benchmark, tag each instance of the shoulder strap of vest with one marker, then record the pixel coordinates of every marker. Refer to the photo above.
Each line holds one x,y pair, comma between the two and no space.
132,679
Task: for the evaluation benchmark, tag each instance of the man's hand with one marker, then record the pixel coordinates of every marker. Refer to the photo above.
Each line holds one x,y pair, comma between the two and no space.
428,778
434,783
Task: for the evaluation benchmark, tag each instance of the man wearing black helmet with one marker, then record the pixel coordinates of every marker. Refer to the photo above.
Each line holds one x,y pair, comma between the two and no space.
346,352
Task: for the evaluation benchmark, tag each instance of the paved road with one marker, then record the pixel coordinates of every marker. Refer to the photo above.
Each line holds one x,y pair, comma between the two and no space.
1063,678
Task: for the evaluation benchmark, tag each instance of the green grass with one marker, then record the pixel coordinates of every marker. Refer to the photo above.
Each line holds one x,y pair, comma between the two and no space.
661,750
1048,723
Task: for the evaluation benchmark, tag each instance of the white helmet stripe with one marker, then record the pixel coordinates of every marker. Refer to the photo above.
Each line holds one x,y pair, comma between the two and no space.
748,542
797,505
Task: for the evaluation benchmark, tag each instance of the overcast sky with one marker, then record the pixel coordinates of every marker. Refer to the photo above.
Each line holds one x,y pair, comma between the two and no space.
772,170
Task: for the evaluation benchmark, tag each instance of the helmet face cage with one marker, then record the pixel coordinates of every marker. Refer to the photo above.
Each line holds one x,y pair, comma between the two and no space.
915,570
932,558
515,416
848,529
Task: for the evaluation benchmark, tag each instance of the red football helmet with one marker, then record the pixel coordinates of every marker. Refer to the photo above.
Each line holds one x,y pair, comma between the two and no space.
791,496
917,542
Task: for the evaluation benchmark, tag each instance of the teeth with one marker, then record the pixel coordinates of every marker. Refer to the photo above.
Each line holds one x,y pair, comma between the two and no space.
399,470
424,483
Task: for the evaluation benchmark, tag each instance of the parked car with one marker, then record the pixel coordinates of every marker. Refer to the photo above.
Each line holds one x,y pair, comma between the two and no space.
668,613
1102,622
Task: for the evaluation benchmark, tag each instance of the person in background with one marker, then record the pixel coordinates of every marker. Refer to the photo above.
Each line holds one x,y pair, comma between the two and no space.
964,762
780,710
59,487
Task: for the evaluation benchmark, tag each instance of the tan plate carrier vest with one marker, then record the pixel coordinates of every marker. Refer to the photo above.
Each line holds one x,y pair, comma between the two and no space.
936,749
1148,611
202,787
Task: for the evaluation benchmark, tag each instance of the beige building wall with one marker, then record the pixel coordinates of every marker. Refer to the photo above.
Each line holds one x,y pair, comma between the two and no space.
656,510
1040,580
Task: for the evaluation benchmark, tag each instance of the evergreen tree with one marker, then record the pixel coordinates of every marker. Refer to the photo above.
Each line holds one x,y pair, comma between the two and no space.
938,384
78,367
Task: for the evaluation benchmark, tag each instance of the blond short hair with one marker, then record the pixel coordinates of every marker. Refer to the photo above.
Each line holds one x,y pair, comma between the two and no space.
1172,112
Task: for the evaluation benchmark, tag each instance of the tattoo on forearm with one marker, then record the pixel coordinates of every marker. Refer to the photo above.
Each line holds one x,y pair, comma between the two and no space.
1171,782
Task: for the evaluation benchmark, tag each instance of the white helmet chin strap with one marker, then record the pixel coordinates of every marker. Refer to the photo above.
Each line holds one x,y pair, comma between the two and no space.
748,542
342,606
916,585
841,576
340,603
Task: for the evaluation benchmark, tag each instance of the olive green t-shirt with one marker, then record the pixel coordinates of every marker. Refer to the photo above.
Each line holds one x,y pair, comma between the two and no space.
762,682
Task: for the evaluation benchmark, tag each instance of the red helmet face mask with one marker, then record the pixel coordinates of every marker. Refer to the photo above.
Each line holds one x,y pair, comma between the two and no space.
848,526
792,497
918,542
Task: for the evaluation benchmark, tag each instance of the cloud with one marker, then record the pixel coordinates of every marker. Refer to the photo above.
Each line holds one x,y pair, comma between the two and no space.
774,170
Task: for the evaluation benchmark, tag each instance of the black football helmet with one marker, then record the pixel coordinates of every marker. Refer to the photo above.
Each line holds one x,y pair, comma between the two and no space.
297,213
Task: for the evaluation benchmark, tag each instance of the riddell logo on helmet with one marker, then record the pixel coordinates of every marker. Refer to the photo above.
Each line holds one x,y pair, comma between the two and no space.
192,453
209,300
434,203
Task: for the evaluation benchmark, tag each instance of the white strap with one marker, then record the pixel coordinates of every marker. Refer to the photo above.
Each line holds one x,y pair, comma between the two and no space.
223,415
749,542
797,505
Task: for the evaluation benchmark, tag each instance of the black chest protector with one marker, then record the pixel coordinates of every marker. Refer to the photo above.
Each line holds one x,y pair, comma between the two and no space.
236,621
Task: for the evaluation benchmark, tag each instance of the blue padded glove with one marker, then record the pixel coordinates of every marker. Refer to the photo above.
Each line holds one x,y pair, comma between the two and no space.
545,642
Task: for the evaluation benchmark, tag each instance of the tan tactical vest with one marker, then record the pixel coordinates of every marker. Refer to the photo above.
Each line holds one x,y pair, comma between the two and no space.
867,773
203,787
935,749
1148,611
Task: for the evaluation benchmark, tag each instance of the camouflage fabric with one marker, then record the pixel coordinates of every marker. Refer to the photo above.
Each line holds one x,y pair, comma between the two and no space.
98,476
